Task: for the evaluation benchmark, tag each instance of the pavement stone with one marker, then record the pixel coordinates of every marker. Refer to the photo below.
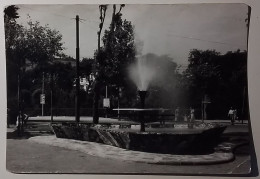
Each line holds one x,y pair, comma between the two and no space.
107,151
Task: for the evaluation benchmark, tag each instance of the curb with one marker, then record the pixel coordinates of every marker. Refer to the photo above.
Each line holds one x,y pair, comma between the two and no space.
111,152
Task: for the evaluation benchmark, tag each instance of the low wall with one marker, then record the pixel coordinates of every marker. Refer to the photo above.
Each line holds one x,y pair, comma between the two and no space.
202,142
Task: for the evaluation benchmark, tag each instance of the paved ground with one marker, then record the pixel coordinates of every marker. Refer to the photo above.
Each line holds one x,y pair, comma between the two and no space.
111,152
26,156
29,156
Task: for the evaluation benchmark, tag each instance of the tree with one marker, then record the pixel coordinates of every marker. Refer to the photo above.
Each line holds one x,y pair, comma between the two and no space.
12,37
27,48
102,9
162,87
42,44
118,52
115,55
203,72
221,77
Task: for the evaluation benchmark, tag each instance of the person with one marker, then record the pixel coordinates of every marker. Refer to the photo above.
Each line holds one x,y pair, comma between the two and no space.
177,113
235,115
231,115
192,116
25,119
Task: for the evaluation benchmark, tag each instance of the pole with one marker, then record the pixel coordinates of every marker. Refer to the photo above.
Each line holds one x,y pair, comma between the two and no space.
77,117
118,112
202,111
106,91
42,92
19,103
243,105
51,97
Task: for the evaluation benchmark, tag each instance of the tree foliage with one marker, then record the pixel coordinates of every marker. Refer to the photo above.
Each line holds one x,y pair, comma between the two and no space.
118,51
222,77
29,51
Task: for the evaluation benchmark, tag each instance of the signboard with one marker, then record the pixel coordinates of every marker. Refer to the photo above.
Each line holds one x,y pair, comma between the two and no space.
42,99
106,102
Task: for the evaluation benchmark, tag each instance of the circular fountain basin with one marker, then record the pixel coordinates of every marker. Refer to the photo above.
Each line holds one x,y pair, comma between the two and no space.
200,140
139,109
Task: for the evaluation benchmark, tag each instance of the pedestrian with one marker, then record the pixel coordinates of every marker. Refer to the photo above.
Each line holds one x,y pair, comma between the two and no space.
235,115
192,116
25,119
177,114
231,115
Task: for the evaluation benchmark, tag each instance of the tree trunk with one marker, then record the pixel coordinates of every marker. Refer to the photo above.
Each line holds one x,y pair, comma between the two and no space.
95,102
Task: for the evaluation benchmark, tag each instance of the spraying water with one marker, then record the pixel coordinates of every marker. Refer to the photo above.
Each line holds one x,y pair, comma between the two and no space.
142,73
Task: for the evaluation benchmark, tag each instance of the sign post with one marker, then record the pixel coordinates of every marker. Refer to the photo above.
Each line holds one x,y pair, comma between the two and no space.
42,101
106,104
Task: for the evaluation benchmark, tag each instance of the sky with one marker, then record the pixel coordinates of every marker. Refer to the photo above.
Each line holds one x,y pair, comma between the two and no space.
171,30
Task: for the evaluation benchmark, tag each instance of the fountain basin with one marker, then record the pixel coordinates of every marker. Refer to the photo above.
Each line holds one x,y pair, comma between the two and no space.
200,140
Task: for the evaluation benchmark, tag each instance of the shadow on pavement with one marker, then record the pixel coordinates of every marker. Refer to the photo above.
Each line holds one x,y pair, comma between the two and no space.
16,135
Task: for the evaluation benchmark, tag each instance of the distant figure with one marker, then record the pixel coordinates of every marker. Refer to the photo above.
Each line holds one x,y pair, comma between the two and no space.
185,118
162,123
17,121
231,115
235,115
192,116
24,119
177,114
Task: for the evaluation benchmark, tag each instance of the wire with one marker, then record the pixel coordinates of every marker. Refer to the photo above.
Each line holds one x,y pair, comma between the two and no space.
223,43
55,14
70,18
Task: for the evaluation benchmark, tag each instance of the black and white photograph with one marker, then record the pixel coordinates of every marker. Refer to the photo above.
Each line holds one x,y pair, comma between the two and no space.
128,89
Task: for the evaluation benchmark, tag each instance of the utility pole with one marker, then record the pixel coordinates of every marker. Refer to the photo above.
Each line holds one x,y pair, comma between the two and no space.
51,97
19,103
77,106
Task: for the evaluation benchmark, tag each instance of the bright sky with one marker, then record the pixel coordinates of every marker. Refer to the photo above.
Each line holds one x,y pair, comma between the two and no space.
163,29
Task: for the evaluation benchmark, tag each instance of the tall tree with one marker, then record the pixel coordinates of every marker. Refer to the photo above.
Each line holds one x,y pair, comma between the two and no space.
117,52
12,36
97,71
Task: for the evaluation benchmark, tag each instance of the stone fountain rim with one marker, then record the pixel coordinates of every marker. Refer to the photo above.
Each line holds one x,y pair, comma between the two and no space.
141,109
197,132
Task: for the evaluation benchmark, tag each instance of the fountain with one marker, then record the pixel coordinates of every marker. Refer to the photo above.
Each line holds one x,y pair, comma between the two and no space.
183,140
142,95
202,137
